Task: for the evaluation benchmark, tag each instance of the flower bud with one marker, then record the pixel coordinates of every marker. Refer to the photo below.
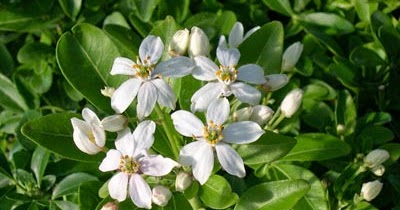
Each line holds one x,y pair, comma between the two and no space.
291,56
376,157
275,82
107,91
261,114
114,123
183,181
370,190
161,195
199,45
340,129
179,43
291,102
378,170
110,206
242,114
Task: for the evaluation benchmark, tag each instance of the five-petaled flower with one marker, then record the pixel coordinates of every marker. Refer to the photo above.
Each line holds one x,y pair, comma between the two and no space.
214,134
146,78
131,160
236,36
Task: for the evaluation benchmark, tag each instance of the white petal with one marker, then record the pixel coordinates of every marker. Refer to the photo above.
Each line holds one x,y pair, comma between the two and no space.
166,97
125,94
222,42
89,116
144,135
205,69
291,56
187,124
81,138
242,132
203,97
151,48
123,66
275,81
218,111
230,160
246,93
146,100
228,57
114,122
140,191
125,142
251,73
118,186
156,165
175,67
99,135
199,155
250,32
236,35
111,161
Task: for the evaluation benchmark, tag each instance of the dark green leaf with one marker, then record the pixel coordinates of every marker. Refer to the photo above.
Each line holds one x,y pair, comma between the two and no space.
319,90
376,135
142,28
345,113
190,85
88,195
179,9
71,183
39,160
66,205
281,6
10,97
116,18
217,193
317,114
394,151
225,22
125,39
71,7
7,63
145,8
334,24
365,57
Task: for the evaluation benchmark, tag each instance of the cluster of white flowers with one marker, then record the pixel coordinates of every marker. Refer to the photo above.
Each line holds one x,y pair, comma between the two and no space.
148,84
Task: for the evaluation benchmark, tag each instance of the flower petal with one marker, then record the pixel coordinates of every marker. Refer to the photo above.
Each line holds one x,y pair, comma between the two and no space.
222,42
144,135
174,67
242,132
99,135
90,117
199,155
166,97
81,138
250,32
187,123
157,165
246,93
230,160
111,161
228,57
125,142
146,100
236,35
203,97
151,48
251,73
118,186
125,94
140,191
218,111
123,66
205,69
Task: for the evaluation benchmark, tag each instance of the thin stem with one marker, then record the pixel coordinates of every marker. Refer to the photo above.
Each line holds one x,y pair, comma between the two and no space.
169,131
196,203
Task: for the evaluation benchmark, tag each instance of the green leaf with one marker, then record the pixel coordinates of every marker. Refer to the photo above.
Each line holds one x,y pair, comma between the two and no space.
217,193
116,18
273,195
165,30
225,22
375,135
71,183
9,96
88,195
85,57
39,160
329,22
191,86
177,202
317,147
345,74
127,41
345,112
281,6
325,39
71,7
394,151
362,56
179,9
268,148
145,8
54,132
7,63
317,114
264,47
319,90
66,205
142,28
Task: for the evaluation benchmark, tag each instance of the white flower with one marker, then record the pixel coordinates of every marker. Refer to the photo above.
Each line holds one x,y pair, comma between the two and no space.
291,103
114,123
291,56
179,42
131,159
89,135
199,45
376,157
161,195
183,181
275,82
146,80
225,79
214,134
378,170
236,36
259,114
370,190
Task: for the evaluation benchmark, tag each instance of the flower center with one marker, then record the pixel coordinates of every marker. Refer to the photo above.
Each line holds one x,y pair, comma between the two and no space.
226,74
213,133
128,165
91,137
143,68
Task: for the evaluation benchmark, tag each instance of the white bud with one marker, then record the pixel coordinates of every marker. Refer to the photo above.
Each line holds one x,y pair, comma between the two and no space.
242,114
376,157
114,123
291,102
107,91
259,114
291,56
183,181
199,45
275,82
378,170
109,206
179,42
161,195
370,190
340,129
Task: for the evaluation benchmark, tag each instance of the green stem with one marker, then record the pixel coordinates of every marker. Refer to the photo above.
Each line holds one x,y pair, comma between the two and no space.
169,131
196,203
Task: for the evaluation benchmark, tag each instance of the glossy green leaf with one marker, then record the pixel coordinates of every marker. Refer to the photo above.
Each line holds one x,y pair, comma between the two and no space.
88,195
127,41
319,90
179,9
9,96
190,85
330,43
264,47
71,7
40,158
345,74
145,8
203,20
317,114
273,195
345,112
317,147
394,151
334,24
268,148
365,57
71,183
281,6
85,57
217,193
142,28
225,22
66,205
375,135
54,132
9,121
116,18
